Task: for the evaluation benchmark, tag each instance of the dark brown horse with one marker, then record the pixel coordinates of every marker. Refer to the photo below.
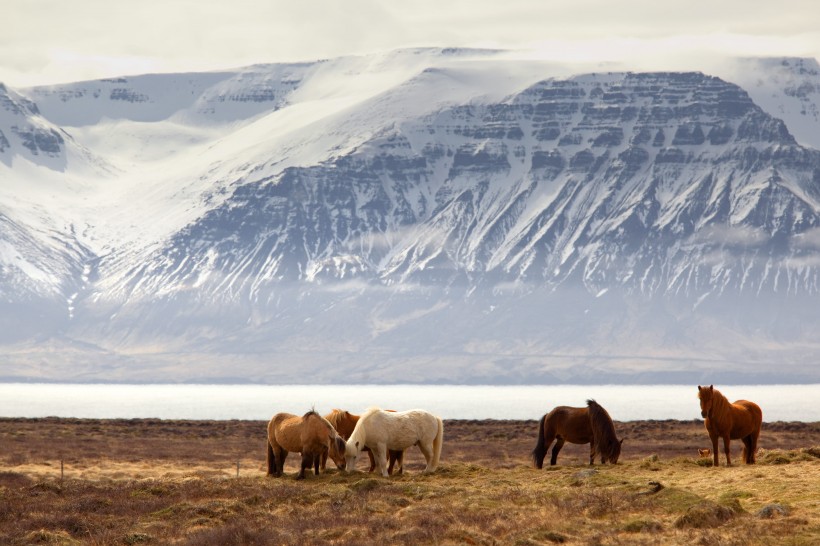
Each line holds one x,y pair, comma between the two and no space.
311,435
730,421
344,422
590,425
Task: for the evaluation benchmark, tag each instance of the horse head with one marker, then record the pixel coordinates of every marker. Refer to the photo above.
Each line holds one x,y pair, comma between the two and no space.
337,451
351,453
616,451
705,396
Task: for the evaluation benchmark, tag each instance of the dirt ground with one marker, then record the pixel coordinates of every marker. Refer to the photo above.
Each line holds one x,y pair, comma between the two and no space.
222,444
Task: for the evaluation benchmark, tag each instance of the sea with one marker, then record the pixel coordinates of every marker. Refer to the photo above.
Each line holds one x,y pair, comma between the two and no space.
260,402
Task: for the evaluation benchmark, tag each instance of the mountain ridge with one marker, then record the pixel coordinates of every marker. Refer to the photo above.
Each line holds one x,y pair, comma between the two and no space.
382,227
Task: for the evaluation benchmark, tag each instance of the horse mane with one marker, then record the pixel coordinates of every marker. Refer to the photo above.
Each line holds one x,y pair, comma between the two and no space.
603,429
358,431
720,404
334,416
369,411
314,413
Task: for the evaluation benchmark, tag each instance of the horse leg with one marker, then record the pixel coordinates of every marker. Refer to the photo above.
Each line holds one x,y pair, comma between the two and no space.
307,462
726,441
280,461
271,459
715,452
559,443
396,456
391,461
753,455
592,452
276,460
323,461
427,451
372,459
744,454
380,453
316,459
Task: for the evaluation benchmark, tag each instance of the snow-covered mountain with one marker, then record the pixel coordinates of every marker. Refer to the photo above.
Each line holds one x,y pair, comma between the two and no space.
423,215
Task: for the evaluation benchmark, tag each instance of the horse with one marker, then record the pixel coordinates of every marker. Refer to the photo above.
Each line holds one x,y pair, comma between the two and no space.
739,420
311,435
382,430
344,422
590,425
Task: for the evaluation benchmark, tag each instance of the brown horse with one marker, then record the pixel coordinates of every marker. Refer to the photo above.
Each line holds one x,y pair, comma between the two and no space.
311,435
344,422
590,425
739,420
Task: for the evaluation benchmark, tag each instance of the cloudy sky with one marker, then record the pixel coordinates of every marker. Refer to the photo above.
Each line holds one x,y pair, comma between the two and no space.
49,41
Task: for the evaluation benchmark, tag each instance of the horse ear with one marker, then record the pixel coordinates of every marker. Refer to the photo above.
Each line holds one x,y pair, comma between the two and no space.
711,387
699,388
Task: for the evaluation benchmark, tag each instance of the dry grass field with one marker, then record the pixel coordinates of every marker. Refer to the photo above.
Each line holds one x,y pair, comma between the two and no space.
203,483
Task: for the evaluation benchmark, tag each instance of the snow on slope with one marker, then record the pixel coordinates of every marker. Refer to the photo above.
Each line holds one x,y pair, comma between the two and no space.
385,184
178,141
785,87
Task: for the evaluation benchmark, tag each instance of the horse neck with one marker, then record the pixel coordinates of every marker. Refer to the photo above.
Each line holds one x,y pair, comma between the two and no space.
357,435
720,403
333,418
603,422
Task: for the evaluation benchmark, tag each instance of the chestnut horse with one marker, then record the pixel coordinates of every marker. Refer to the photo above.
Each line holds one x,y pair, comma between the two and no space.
344,422
311,435
590,425
739,420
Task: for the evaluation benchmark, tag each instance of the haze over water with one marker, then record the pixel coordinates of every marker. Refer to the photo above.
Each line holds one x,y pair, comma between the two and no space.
260,402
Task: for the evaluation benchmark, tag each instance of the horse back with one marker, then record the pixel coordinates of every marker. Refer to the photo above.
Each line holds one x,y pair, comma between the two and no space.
747,418
316,434
571,424
285,430
399,430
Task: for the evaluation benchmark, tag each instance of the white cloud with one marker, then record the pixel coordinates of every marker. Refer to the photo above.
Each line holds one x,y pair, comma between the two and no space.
811,261
51,40
809,239
732,236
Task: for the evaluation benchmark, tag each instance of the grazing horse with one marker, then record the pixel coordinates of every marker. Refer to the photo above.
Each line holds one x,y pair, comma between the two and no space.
311,435
739,420
383,430
590,425
344,422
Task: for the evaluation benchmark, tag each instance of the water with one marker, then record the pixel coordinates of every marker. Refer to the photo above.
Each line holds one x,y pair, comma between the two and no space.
259,402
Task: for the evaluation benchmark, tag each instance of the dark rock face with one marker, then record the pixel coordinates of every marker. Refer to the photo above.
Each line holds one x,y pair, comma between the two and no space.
22,124
39,140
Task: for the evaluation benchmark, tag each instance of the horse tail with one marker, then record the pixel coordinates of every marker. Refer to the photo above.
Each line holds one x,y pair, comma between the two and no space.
271,458
438,442
758,423
540,450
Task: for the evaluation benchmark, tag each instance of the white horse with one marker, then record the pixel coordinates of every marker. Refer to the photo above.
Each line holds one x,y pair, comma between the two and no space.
382,430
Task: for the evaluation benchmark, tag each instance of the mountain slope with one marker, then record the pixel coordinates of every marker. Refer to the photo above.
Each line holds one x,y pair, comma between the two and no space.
435,222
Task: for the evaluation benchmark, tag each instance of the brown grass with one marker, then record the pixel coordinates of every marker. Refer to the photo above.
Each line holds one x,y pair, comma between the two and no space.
175,482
